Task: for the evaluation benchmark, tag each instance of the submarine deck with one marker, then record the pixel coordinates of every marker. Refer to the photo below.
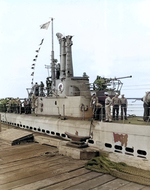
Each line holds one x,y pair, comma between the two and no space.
35,166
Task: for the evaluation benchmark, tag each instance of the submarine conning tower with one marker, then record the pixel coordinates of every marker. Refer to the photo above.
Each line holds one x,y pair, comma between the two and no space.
68,84
67,95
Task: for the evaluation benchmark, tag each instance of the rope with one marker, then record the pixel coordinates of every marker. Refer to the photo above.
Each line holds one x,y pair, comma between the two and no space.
120,170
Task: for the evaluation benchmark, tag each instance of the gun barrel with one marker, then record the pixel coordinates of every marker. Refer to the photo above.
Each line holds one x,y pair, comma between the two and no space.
124,77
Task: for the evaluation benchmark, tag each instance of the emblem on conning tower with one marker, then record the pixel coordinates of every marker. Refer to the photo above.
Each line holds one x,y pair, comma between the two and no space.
60,87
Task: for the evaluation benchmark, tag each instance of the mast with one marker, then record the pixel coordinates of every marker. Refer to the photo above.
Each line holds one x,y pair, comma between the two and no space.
52,58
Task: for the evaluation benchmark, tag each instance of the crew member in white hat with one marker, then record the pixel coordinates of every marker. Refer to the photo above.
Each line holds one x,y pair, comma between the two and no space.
108,102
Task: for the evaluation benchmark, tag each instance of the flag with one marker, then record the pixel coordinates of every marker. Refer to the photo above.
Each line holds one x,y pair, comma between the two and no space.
38,50
41,42
45,26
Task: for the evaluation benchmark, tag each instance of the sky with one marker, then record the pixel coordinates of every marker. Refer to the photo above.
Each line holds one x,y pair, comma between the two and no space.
111,38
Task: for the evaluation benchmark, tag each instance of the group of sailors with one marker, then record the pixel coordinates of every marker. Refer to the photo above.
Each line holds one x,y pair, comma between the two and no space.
102,108
39,90
27,105
14,105
18,106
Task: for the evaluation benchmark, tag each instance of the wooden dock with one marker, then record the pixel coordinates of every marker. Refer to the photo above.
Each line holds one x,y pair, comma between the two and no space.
34,166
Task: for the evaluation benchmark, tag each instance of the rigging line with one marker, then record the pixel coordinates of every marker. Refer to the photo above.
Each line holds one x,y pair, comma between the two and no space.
33,66
133,88
137,85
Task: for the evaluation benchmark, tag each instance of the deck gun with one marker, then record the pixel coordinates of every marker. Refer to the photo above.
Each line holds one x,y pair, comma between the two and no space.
110,84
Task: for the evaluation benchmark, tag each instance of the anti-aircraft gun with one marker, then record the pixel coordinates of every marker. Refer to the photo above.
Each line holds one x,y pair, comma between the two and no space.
110,85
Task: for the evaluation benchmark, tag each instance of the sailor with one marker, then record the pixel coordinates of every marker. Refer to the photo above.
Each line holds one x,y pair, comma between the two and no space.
33,103
29,106
108,102
42,89
48,85
13,105
25,106
36,89
146,105
123,102
18,105
103,109
100,107
9,106
115,103
58,71
98,112
94,101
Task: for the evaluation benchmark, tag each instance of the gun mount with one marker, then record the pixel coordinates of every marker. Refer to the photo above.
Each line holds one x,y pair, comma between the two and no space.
110,85
115,84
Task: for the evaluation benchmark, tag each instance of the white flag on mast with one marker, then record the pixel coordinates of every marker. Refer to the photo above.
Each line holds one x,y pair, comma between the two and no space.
45,26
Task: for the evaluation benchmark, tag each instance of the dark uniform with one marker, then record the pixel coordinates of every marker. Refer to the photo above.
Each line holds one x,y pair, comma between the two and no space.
48,85
101,109
41,89
94,101
36,89
57,71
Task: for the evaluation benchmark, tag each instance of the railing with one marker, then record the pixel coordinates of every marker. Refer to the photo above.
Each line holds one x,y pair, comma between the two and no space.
133,109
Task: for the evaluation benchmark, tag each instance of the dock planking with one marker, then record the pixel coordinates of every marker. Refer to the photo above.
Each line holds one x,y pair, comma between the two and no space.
34,166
